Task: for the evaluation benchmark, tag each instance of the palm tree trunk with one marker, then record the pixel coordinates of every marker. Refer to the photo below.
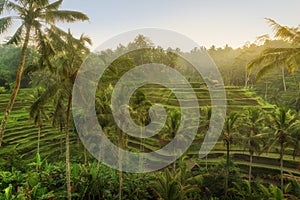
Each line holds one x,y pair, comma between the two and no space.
206,162
17,84
68,173
38,145
61,138
250,167
174,163
84,154
281,166
120,163
227,167
283,78
39,138
246,78
141,148
266,91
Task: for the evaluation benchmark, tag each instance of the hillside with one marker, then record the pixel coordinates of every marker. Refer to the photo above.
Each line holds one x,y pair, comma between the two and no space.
20,140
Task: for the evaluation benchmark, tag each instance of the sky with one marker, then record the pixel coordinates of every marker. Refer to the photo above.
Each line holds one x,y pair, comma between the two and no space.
207,22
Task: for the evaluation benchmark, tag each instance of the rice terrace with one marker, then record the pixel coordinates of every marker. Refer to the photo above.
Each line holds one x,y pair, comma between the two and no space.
150,113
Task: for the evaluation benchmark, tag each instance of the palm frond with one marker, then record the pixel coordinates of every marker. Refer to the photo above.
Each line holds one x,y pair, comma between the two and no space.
2,6
58,115
41,3
55,5
65,16
86,39
283,32
43,99
292,61
17,37
45,49
255,62
33,67
56,35
265,69
10,6
278,50
5,23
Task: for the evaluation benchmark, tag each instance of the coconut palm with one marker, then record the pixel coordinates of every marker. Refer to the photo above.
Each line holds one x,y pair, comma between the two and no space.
35,17
283,57
284,123
58,118
227,135
176,184
69,58
172,126
38,114
252,123
204,124
122,143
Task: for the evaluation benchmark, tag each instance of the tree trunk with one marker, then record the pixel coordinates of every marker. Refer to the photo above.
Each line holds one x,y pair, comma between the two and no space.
120,163
247,77
266,91
68,173
206,162
250,167
283,78
141,147
61,138
39,138
227,167
281,166
84,155
17,85
174,163
38,146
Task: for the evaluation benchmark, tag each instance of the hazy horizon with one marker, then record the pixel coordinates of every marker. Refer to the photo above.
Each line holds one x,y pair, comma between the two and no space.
206,22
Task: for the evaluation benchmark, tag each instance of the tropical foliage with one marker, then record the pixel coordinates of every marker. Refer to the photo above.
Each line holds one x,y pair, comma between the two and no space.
256,157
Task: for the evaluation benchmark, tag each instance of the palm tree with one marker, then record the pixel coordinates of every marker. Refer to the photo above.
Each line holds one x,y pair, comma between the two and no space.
35,17
284,123
104,113
140,107
69,58
283,57
205,121
253,123
176,184
172,127
38,114
122,144
58,119
227,136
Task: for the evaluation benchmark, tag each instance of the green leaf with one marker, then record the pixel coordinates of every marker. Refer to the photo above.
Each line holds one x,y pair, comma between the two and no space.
55,5
2,5
38,160
8,192
17,37
5,23
64,16
41,3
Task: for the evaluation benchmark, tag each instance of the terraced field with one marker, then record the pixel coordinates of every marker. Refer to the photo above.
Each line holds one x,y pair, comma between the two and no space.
20,139
237,100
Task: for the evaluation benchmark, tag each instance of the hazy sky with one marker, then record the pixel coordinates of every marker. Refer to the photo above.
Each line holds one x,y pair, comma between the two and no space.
207,22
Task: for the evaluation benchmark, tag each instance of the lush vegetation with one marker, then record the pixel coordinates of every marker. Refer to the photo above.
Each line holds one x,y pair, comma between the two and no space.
42,157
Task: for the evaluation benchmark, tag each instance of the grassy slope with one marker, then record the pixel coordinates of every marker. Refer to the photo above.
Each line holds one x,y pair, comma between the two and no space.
20,139
21,134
